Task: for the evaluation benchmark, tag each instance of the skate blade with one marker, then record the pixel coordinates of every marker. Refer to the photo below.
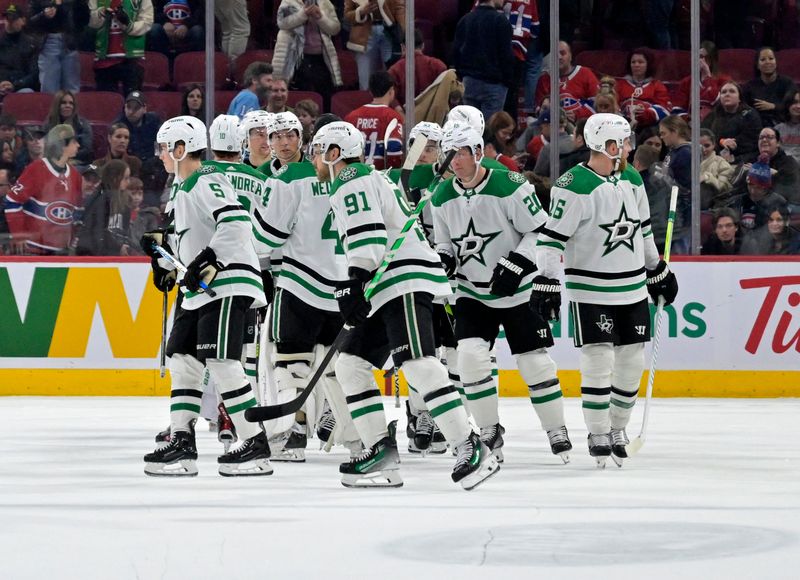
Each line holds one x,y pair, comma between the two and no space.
255,467
617,460
498,454
291,456
385,478
564,455
601,462
183,468
487,469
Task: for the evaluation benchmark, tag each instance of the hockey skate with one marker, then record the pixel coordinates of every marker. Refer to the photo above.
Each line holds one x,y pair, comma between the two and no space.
378,466
492,436
619,439
249,459
162,437
599,448
326,425
426,438
178,458
475,463
292,445
559,443
411,424
226,432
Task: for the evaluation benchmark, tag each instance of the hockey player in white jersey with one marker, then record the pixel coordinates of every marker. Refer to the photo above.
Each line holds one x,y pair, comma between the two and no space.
369,214
485,225
285,133
254,132
600,223
213,238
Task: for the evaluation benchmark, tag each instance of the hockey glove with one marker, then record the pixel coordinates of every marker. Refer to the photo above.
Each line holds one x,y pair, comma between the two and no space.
546,298
204,267
350,296
508,274
269,286
661,283
163,279
149,240
448,262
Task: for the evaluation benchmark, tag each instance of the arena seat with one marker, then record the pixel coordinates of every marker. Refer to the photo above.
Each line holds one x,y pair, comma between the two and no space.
437,11
99,139
222,100
347,62
295,96
789,62
86,60
672,65
166,104
190,68
99,106
156,71
28,108
345,101
245,59
604,62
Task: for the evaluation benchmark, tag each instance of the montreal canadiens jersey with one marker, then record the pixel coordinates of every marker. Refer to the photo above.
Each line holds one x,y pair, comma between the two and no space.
299,223
369,213
481,225
601,224
373,120
577,91
652,96
208,214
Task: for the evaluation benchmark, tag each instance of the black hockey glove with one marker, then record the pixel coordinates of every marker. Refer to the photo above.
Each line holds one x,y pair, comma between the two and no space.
204,267
546,298
163,279
149,240
509,272
661,282
350,296
448,261
269,286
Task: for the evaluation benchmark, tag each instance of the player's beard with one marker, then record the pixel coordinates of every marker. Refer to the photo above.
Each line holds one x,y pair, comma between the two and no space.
623,165
324,173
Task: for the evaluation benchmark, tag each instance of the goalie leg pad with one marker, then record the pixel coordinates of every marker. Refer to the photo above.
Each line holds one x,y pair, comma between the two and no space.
539,372
363,398
236,392
475,370
628,368
596,362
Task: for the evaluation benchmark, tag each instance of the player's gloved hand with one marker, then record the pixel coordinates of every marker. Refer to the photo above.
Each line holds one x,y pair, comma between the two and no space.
163,278
204,267
269,286
149,240
509,272
448,261
121,17
661,283
546,298
350,296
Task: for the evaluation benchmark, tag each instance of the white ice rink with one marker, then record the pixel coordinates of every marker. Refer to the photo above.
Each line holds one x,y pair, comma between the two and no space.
714,493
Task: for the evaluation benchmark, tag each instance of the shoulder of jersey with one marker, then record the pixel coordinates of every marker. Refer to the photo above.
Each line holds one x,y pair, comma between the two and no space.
394,175
293,171
244,168
503,183
632,175
444,192
353,171
579,180
204,171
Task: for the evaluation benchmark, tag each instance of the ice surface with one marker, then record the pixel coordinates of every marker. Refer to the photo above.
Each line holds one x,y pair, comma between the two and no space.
714,493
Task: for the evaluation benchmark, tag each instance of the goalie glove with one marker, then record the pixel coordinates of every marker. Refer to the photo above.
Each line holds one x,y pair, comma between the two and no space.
204,267
508,274
546,298
661,283
448,262
349,295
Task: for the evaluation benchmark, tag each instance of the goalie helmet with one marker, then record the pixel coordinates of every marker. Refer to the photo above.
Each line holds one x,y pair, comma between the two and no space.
465,115
458,136
431,132
224,134
604,127
190,130
339,134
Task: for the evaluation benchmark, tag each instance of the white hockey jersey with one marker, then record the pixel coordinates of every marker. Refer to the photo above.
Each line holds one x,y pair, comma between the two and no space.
483,224
601,225
369,213
208,214
299,222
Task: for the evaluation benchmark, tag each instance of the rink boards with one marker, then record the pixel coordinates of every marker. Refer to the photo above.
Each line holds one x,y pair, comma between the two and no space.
93,327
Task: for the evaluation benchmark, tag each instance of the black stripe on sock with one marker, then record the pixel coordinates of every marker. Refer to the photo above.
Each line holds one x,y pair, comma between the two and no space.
595,390
439,393
187,393
237,393
622,393
543,385
363,396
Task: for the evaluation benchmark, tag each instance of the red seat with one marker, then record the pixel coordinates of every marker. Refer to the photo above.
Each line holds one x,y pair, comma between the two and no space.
672,65
99,106
246,59
604,62
437,11
789,62
28,108
345,101
737,63
347,62
706,224
87,71
222,100
99,140
166,104
156,71
190,69
295,96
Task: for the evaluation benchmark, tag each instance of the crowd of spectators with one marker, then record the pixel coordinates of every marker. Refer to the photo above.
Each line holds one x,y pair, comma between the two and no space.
750,131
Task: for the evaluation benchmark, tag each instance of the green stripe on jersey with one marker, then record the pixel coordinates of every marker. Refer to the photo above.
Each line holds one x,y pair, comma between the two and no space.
366,242
307,285
610,289
411,276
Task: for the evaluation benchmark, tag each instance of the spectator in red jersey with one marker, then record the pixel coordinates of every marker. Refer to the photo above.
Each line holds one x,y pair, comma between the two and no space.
492,148
41,206
644,100
710,83
578,86
426,69
767,91
373,119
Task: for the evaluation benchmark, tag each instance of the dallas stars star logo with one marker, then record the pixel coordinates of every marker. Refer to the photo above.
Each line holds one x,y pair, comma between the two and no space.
606,324
620,232
472,245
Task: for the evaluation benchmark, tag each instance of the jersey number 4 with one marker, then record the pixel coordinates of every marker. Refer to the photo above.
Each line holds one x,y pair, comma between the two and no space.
329,233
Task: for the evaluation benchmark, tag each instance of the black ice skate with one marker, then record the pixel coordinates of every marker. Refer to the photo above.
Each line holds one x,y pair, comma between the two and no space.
559,443
226,432
600,447
178,458
619,439
326,424
411,424
475,463
378,466
162,437
492,436
249,459
293,449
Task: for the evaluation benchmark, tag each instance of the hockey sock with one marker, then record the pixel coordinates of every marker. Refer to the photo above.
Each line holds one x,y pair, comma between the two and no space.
187,376
363,398
441,398
596,363
475,369
451,362
237,394
251,367
415,400
538,370
628,368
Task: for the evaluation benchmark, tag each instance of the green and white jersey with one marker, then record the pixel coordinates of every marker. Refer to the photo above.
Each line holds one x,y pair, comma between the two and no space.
208,214
421,178
299,224
483,224
601,225
270,168
369,213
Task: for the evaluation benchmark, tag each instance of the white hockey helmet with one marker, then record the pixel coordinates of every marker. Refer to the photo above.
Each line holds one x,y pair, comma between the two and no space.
458,136
190,130
431,132
224,134
254,120
604,127
339,134
466,115
286,121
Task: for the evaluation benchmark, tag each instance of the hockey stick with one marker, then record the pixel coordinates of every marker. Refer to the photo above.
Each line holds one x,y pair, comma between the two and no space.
386,136
634,446
416,151
181,268
265,413
162,362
